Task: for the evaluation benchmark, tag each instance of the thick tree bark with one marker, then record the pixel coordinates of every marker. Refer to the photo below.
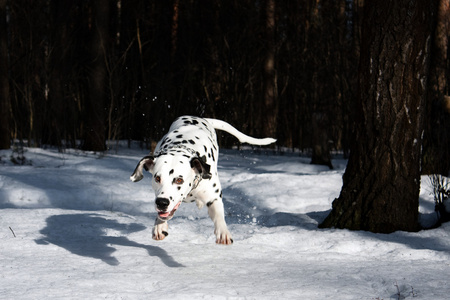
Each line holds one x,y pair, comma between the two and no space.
95,131
5,104
381,184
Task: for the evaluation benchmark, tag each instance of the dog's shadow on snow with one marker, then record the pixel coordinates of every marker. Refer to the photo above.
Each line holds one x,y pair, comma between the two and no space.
94,235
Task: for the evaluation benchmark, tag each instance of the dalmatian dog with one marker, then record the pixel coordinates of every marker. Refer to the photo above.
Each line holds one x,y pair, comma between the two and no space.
184,169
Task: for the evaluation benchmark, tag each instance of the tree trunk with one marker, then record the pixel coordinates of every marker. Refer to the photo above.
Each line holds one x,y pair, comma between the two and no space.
381,184
321,148
5,102
270,110
54,128
95,131
436,148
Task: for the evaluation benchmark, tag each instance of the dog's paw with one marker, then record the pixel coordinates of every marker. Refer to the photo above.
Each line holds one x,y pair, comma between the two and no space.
223,237
160,232
159,236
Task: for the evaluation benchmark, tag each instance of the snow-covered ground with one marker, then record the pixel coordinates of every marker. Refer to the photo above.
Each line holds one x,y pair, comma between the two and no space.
73,226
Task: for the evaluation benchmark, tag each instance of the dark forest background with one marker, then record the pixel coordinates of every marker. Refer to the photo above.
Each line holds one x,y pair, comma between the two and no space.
92,71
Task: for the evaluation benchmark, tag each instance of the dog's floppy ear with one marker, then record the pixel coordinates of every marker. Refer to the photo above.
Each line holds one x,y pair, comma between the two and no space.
145,163
200,166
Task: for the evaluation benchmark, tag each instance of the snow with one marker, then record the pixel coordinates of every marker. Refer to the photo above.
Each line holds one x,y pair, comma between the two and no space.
73,226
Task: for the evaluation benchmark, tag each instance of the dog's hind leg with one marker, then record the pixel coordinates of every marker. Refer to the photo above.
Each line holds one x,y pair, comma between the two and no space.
216,213
160,230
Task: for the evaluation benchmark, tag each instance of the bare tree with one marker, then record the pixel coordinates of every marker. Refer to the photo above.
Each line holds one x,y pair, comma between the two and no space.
95,131
436,158
5,104
270,92
381,184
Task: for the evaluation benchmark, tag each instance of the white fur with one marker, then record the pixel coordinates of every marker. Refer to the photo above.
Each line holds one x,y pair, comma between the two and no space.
184,169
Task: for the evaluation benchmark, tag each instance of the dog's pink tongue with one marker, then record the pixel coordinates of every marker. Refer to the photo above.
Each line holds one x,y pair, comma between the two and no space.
165,215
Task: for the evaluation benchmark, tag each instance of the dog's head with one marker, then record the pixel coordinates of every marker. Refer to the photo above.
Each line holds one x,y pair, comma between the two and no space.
174,177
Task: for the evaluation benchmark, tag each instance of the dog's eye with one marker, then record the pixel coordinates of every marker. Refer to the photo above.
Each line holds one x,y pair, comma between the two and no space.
178,180
157,179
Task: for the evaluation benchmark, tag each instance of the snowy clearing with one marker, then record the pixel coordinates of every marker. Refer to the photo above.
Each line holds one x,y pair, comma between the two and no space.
74,226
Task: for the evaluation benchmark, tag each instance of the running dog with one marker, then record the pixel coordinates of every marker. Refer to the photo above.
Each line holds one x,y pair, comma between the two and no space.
184,169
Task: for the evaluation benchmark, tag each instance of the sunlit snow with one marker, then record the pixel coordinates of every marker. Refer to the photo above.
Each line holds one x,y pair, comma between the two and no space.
73,226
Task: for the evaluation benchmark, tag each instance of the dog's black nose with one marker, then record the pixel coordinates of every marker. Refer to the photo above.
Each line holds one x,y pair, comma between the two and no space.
162,203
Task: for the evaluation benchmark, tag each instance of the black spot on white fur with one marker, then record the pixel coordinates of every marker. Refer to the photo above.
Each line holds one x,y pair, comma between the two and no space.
209,203
193,139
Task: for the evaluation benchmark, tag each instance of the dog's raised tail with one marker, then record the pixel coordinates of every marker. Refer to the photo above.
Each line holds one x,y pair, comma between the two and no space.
243,138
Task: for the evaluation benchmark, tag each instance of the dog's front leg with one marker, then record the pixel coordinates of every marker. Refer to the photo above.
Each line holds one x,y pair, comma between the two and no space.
160,230
216,213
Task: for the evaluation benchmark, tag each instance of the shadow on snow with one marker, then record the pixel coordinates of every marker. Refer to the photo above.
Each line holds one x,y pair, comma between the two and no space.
91,235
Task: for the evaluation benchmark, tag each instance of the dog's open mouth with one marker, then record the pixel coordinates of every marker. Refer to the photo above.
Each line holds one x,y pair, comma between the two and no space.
166,215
